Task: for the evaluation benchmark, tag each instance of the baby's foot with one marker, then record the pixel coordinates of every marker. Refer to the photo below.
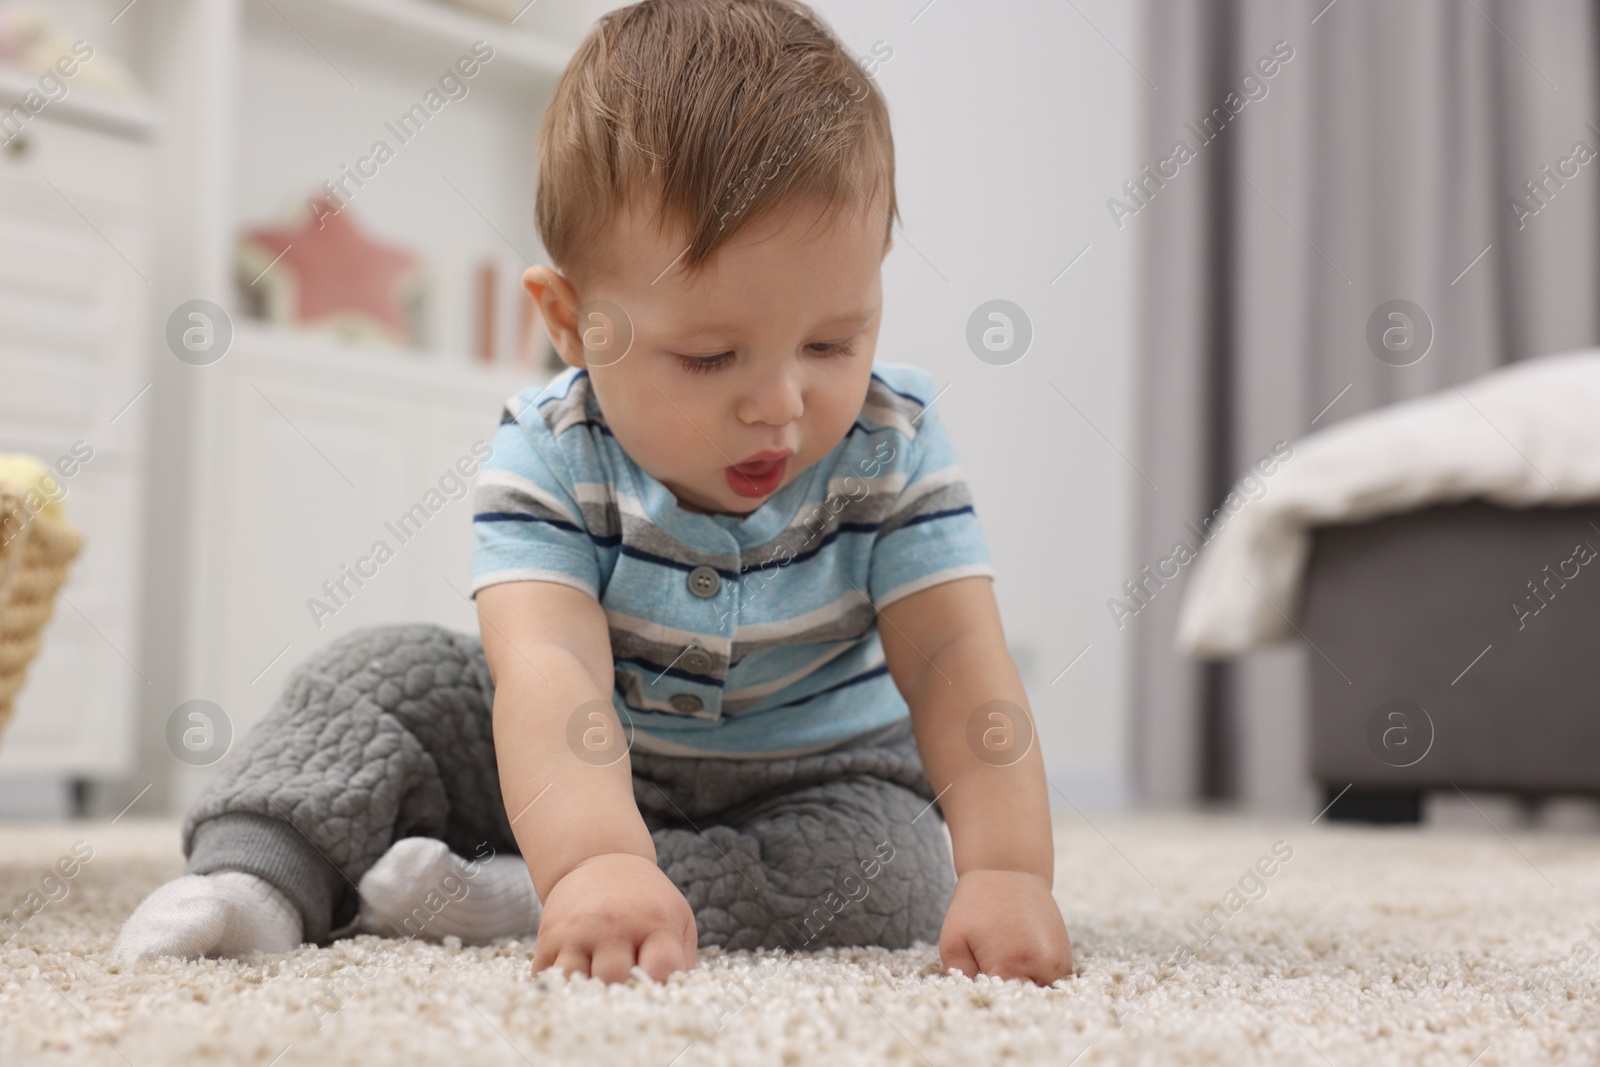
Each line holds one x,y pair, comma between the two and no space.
226,913
420,888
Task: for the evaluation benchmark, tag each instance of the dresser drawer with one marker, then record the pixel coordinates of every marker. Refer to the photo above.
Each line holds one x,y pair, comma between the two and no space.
74,259
92,169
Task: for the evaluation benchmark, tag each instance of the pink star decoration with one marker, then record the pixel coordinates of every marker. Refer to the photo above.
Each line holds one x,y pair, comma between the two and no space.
327,274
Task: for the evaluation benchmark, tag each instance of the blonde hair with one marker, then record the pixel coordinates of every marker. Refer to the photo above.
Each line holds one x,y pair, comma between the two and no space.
722,111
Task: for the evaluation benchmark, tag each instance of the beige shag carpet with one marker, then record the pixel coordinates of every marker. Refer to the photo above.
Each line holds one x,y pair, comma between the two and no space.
1366,947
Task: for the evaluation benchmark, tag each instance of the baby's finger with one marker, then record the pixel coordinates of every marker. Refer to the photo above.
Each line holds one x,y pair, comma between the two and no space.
1016,964
612,961
544,952
1056,963
691,944
572,960
956,952
661,954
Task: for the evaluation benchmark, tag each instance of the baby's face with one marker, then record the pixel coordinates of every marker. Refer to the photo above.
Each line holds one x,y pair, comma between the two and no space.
743,375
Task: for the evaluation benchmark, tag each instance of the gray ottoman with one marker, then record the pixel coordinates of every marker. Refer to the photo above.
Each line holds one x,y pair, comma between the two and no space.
1454,646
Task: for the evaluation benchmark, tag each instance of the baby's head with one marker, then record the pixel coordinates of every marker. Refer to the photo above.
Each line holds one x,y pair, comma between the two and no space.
716,190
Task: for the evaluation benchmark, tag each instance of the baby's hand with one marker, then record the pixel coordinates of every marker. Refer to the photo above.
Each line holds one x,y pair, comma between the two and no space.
1005,924
614,911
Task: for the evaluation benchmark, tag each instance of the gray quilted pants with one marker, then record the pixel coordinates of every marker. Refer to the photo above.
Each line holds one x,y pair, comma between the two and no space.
387,734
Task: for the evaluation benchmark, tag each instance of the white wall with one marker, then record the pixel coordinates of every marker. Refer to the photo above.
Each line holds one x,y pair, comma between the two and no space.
1013,123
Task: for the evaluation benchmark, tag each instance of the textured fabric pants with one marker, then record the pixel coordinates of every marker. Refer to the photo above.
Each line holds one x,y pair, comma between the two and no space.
387,734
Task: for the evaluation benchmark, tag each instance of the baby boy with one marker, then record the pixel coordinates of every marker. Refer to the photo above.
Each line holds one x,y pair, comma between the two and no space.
739,651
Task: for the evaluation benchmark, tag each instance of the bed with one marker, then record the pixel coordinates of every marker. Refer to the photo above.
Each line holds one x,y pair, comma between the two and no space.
1454,646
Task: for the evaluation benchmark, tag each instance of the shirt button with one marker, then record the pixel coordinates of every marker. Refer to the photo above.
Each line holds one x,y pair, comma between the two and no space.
696,661
704,582
687,703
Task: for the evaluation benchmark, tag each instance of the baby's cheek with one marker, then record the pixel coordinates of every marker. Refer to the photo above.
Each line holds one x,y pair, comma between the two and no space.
827,430
658,440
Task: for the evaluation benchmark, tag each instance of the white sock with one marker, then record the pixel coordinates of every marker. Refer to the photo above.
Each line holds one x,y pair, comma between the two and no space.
226,913
421,888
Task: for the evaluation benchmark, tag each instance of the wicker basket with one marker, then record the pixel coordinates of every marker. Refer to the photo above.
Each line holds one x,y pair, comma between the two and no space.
35,550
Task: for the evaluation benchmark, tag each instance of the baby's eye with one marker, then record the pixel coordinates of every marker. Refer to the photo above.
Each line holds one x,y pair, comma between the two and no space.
701,364
831,348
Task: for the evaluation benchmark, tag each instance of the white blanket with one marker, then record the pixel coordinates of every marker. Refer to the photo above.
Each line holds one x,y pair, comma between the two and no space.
1528,434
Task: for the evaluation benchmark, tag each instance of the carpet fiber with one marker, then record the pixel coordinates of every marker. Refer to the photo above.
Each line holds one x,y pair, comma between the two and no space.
1365,947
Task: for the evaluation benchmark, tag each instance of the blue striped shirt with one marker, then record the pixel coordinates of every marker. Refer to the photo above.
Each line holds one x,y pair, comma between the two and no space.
734,635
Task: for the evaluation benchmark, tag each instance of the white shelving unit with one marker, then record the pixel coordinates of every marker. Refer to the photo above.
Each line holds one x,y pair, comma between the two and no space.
422,28
284,461
76,193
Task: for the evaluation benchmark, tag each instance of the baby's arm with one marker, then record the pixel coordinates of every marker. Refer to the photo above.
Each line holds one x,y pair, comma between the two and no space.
607,906
947,653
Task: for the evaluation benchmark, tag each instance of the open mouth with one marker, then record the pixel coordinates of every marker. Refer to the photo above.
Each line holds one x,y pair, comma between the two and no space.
760,475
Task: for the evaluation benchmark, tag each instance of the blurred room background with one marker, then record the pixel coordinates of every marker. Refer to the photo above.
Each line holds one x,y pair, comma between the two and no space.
1185,312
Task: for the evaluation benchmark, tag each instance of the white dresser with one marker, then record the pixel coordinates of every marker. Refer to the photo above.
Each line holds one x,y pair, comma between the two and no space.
75,264
221,500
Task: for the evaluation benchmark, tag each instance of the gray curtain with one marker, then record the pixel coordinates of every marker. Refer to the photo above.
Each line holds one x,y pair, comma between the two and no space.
1380,162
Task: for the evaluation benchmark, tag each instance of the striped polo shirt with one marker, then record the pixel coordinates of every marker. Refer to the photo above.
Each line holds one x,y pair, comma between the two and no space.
734,635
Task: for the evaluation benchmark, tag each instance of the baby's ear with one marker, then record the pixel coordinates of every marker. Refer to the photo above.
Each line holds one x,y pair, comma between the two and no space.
558,307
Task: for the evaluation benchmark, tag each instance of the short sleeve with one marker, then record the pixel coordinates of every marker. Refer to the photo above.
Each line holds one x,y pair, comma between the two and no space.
527,522
931,534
